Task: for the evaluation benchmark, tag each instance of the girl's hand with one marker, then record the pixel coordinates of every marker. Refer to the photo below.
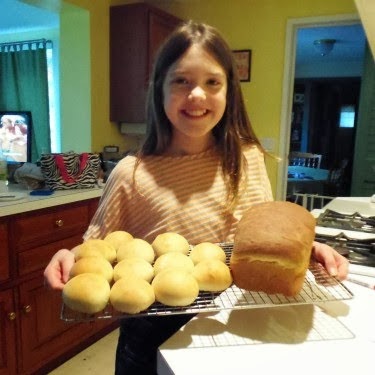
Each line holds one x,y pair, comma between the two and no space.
56,273
335,264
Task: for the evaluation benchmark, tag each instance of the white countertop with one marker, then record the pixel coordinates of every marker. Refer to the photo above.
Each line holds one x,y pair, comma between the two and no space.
331,338
328,338
350,205
26,202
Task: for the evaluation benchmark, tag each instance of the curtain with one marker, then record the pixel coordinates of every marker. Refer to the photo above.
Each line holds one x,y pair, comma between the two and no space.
24,87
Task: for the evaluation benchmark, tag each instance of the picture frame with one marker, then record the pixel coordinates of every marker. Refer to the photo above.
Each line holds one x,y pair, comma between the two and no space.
242,58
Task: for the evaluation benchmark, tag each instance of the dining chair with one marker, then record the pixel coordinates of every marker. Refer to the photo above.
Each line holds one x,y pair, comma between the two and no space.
305,159
312,201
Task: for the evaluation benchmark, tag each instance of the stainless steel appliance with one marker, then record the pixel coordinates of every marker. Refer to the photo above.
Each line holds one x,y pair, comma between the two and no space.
352,235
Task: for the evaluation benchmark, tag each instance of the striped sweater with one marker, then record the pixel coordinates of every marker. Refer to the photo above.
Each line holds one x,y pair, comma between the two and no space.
184,194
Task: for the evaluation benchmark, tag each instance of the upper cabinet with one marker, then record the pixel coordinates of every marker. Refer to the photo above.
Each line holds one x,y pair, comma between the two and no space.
136,32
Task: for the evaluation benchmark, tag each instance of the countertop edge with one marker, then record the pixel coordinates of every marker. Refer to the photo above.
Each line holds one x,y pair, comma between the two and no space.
59,197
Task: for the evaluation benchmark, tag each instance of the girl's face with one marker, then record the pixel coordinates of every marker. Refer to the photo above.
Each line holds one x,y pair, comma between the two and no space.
194,92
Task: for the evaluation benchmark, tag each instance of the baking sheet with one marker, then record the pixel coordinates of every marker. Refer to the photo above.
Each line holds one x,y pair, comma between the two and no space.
319,286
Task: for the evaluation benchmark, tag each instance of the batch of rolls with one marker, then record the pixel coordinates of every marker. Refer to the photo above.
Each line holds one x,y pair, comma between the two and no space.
131,274
271,253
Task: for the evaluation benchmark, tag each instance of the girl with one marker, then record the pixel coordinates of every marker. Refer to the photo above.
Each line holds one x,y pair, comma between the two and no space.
200,167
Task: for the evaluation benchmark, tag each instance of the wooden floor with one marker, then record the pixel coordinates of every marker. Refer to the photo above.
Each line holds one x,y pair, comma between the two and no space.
98,358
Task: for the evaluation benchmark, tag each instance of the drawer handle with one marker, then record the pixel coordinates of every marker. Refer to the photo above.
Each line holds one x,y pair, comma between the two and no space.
12,315
26,309
59,223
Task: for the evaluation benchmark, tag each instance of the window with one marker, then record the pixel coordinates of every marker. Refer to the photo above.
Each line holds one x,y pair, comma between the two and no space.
54,129
347,116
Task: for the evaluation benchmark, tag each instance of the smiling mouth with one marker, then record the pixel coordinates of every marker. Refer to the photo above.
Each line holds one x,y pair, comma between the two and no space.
196,113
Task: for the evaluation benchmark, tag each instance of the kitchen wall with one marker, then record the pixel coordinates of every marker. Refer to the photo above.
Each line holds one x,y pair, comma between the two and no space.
255,24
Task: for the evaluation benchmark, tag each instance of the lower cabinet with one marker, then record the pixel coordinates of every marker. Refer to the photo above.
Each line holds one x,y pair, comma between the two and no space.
43,335
33,337
8,324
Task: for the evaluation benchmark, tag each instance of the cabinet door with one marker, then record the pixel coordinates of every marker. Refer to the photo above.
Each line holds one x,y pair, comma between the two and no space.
44,336
160,27
45,226
136,32
4,252
8,320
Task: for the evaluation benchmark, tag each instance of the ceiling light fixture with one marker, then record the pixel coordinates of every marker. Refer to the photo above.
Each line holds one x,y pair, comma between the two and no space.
324,46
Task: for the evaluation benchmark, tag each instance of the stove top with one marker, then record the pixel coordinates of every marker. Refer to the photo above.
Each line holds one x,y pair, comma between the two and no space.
358,251
353,222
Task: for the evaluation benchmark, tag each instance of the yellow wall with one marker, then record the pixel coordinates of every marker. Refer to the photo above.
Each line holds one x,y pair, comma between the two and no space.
103,132
259,25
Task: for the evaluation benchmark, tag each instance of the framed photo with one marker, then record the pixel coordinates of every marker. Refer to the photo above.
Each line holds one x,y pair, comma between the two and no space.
243,61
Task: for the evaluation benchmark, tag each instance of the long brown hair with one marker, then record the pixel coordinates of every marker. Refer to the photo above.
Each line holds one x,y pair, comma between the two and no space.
233,130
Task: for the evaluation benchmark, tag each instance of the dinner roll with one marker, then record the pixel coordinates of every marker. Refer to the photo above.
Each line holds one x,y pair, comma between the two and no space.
131,295
96,247
93,264
117,238
174,260
86,293
168,242
136,248
133,267
212,275
175,287
207,250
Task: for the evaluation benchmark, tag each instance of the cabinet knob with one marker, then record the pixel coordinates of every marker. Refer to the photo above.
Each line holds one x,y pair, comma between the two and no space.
12,315
59,223
26,309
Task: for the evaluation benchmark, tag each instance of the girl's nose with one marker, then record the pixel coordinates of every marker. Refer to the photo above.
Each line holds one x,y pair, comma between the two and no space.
197,93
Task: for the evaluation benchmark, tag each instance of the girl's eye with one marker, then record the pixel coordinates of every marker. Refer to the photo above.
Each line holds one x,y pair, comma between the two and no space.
180,81
213,82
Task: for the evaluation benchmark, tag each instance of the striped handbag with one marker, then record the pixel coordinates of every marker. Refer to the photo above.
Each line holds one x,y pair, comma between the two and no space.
63,171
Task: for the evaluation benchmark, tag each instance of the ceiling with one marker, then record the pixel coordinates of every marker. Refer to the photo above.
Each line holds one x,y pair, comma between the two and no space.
16,16
349,46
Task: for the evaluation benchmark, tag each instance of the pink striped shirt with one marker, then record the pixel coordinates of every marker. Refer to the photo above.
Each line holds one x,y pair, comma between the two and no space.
185,194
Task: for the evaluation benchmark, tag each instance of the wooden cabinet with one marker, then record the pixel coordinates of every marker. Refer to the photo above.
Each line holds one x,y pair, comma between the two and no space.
136,32
33,338
4,254
7,333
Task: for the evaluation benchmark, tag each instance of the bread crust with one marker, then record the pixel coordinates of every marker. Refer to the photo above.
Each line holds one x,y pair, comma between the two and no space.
272,248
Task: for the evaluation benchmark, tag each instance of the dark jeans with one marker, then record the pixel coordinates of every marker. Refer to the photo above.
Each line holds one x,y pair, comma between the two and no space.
139,340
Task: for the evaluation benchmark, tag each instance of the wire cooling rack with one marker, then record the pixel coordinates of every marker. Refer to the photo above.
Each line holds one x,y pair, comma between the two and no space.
319,286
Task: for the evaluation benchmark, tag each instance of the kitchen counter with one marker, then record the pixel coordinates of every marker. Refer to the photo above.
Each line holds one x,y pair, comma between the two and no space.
350,205
332,337
25,202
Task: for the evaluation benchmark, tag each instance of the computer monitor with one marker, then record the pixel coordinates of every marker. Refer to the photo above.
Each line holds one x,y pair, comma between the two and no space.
15,136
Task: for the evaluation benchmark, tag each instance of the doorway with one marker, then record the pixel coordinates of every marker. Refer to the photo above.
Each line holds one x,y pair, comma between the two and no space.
290,80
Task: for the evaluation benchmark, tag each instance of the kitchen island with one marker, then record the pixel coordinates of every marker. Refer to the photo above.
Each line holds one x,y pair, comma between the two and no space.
329,338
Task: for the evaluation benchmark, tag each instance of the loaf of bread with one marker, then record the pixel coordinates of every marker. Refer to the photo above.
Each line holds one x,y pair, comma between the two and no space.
272,248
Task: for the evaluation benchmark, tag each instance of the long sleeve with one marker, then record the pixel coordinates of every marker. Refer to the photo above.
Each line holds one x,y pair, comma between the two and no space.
184,194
